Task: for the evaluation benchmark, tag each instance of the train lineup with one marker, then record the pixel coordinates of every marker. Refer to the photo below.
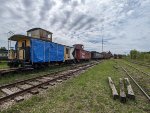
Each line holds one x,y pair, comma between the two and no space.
37,49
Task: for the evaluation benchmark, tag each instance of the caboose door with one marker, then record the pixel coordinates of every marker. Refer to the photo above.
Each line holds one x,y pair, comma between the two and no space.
22,50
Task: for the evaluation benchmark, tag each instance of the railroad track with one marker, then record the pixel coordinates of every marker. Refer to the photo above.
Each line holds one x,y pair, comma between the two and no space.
20,69
139,63
37,82
139,86
139,78
11,70
138,70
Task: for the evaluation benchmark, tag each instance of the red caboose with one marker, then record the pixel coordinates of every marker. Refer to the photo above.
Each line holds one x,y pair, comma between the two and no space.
81,54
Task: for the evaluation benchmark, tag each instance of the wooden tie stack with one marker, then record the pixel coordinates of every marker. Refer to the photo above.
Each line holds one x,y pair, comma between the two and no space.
123,96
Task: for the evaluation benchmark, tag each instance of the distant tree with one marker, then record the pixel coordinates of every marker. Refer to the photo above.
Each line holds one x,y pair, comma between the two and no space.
134,54
3,48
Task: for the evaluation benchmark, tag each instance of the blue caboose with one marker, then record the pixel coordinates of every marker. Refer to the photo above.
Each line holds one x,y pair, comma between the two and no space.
35,49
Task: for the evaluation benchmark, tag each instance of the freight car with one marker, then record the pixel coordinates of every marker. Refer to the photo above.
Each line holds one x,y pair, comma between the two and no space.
118,56
107,55
115,56
37,49
35,52
80,54
96,55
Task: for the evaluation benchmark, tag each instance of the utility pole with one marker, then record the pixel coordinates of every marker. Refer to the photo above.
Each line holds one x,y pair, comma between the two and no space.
102,28
102,44
10,33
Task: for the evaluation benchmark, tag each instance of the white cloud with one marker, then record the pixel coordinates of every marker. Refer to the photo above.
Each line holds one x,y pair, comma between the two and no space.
126,23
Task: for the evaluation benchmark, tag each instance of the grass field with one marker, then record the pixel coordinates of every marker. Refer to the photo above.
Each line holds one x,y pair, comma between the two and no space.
87,93
144,68
3,65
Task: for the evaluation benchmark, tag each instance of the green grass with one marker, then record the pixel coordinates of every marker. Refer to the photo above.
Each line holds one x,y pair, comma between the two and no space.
87,93
3,65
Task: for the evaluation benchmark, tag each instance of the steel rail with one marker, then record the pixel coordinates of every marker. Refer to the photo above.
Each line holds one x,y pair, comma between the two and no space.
30,79
146,65
138,69
43,83
148,97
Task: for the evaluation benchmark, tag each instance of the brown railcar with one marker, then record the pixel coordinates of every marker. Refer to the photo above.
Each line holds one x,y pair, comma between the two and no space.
80,53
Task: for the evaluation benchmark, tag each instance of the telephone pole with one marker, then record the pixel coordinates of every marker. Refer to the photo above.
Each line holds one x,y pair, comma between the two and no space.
102,28
102,44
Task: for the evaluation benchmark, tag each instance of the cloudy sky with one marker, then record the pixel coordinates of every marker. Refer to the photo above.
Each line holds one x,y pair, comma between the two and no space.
124,24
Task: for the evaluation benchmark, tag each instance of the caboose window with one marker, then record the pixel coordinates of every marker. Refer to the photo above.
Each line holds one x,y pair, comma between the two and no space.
24,44
29,34
49,36
67,50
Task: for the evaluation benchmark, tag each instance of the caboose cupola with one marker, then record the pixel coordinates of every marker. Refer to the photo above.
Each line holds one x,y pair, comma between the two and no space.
78,46
40,33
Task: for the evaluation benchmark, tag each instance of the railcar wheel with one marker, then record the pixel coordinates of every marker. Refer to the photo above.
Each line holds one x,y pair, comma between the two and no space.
10,64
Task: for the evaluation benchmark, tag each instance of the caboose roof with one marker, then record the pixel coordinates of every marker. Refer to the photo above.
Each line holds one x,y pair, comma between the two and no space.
18,37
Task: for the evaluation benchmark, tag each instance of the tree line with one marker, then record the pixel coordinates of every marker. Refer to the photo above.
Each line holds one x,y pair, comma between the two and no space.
134,54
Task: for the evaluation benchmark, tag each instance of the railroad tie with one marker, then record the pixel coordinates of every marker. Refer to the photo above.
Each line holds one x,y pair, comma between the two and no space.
52,84
47,78
65,78
34,91
129,89
42,80
44,87
122,91
113,88
9,92
59,80
30,84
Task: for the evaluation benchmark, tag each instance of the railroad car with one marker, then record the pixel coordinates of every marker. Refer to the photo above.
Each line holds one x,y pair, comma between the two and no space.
69,54
35,49
3,55
115,56
107,55
96,55
80,54
118,56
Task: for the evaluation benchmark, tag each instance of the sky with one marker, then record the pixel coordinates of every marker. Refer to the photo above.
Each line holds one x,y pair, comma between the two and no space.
123,24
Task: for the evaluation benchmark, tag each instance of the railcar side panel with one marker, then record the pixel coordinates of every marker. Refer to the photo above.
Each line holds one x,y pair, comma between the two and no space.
53,52
60,52
42,51
96,55
37,51
82,54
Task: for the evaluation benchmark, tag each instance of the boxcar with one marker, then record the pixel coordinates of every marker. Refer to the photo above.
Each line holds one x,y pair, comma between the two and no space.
107,55
96,55
45,51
